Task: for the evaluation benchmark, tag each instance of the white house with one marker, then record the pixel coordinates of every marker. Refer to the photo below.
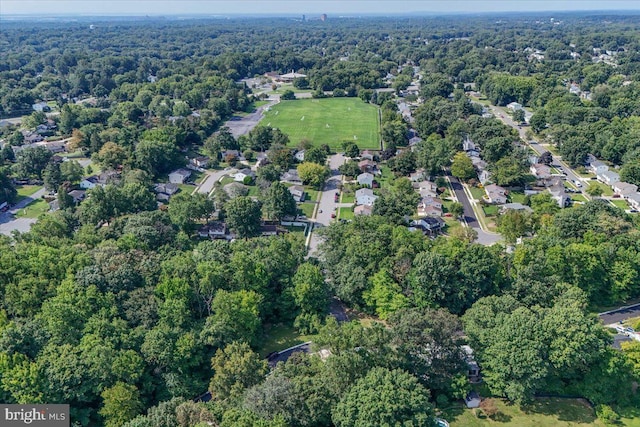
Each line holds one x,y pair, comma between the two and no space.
41,106
179,176
426,188
199,162
430,206
609,177
365,179
242,174
623,189
297,192
514,106
558,193
365,196
418,175
596,166
484,176
495,194
634,200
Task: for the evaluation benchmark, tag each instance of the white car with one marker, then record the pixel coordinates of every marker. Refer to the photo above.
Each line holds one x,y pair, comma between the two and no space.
619,329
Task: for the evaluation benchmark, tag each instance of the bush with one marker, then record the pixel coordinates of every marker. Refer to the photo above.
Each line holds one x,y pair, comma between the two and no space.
606,414
247,180
442,401
489,407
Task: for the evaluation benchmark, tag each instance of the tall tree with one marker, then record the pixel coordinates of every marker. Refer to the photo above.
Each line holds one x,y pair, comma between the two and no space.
243,215
235,368
279,202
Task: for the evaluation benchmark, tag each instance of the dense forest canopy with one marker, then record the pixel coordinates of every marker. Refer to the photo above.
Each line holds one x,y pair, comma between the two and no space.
117,308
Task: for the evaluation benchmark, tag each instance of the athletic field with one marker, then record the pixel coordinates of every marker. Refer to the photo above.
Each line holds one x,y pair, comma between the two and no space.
326,121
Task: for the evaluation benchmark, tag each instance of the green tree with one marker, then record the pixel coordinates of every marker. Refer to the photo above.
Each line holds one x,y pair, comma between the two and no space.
514,224
315,155
235,368
110,156
235,316
8,192
31,162
120,404
385,295
185,210
351,150
310,290
384,398
594,190
6,154
71,171
462,166
243,215
456,209
279,202
288,95
313,174
51,176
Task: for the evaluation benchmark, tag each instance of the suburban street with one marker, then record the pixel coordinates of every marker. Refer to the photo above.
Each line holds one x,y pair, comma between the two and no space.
8,222
326,204
484,237
620,314
502,114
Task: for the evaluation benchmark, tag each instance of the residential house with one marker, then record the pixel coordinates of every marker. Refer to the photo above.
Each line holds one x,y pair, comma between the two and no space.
77,195
595,165
291,176
41,107
299,156
365,196
365,210
495,194
89,182
165,191
297,192
32,138
428,225
473,153
514,106
271,230
213,230
261,160
367,165
426,188
430,206
540,171
609,177
468,145
231,154
179,176
634,201
365,179
418,175
414,141
515,207
623,189
366,155
199,162
558,193
473,370
235,189
484,176
478,163
244,173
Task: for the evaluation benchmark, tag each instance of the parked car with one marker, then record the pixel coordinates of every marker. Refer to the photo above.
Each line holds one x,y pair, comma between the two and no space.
333,215
629,330
619,329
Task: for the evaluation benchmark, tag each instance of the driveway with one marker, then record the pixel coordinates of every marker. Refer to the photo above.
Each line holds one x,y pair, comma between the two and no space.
206,187
8,221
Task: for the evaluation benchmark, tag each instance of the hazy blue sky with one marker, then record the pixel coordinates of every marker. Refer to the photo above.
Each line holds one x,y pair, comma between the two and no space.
156,7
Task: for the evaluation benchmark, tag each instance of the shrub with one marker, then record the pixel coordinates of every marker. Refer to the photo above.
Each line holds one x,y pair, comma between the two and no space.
606,414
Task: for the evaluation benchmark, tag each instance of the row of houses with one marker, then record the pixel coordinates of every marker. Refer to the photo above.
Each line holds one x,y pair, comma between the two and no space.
625,190
219,230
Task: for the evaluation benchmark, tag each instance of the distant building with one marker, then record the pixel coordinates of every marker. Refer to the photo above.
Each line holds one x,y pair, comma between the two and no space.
179,176
323,17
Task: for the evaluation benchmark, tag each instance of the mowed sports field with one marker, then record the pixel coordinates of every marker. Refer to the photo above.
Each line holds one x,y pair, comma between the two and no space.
326,121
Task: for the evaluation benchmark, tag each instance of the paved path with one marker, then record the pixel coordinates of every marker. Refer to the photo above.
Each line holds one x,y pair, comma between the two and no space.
9,223
243,125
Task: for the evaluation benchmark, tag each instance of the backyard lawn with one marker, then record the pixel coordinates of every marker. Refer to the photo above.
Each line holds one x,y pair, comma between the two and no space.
516,197
280,337
541,413
348,197
307,209
326,121
34,210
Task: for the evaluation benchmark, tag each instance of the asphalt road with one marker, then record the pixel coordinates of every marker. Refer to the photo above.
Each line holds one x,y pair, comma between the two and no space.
620,314
327,204
8,221
212,177
484,238
573,177
243,125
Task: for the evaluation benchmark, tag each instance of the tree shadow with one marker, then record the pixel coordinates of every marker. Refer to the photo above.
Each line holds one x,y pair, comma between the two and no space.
501,417
565,409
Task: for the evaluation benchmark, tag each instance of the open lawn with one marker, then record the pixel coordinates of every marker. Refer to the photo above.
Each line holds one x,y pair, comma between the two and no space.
541,413
578,198
26,190
622,204
606,190
516,197
326,121
280,337
346,213
476,192
34,210
348,197
307,209
490,210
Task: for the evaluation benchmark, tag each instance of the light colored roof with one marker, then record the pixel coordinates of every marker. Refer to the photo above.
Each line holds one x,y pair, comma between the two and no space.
293,75
364,192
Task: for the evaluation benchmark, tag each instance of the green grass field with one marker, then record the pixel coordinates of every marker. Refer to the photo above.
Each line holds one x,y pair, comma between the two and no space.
279,337
346,213
34,209
326,121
